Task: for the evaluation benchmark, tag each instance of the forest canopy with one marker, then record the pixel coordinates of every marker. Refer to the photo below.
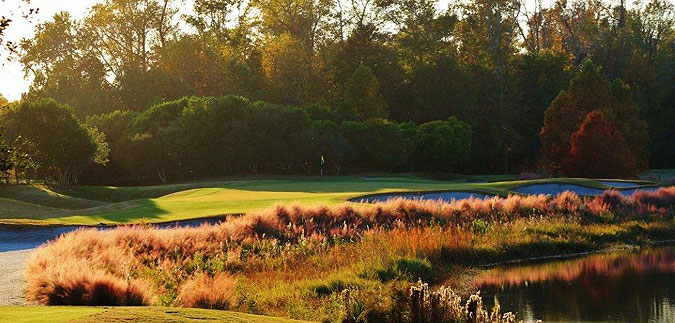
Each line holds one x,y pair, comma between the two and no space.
398,85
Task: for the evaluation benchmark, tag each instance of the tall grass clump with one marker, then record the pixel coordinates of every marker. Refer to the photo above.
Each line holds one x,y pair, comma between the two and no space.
444,305
307,253
218,292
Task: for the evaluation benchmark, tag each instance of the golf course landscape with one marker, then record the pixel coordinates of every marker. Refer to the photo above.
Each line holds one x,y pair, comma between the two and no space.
382,261
94,205
337,161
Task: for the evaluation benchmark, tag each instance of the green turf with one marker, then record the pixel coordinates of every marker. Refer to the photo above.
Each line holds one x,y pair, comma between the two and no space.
661,173
153,204
25,314
54,314
44,196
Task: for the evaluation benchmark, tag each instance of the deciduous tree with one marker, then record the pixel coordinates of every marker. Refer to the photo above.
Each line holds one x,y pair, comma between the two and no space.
57,144
363,93
441,145
598,150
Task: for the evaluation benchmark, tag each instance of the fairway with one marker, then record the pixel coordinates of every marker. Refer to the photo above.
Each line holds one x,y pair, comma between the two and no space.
57,314
91,205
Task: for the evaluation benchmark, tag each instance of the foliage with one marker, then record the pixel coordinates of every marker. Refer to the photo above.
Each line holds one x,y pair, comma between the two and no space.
48,134
587,92
560,121
205,136
495,65
363,93
378,144
441,145
6,162
598,150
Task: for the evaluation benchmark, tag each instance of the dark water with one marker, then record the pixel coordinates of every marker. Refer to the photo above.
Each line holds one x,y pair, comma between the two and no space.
637,286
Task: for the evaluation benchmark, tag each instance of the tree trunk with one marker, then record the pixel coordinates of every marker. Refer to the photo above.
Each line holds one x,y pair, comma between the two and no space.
161,174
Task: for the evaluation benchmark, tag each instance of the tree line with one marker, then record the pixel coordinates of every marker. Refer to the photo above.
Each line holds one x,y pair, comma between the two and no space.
196,137
495,65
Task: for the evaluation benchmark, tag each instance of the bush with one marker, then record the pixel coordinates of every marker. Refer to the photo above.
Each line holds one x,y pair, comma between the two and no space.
441,145
74,285
530,176
378,144
479,226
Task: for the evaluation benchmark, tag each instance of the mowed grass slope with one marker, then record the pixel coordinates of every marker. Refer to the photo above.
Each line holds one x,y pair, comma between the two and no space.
45,196
56,314
90,205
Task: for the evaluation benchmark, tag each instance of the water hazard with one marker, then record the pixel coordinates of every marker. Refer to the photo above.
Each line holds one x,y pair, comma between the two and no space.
628,286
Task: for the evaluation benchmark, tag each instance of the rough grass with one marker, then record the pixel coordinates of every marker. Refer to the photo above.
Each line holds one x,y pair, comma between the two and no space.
165,203
295,261
56,314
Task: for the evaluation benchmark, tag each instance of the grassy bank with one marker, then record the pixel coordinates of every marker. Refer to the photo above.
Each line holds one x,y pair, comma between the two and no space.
298,261
92,205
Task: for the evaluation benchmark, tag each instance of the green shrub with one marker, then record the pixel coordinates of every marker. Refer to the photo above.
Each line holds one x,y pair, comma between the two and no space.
405,268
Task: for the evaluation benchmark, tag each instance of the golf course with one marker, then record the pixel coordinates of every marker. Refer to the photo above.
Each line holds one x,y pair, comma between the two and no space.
95,205
34,214
37,314
337,161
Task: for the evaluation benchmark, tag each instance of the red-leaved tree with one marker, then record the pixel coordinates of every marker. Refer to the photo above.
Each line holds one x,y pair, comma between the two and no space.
599,150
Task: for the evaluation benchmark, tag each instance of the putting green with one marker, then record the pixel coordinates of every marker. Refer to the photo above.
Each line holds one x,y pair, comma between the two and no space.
165,203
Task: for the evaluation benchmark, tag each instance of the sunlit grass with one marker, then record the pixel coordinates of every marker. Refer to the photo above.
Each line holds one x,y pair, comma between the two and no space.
295,261
166,203
57,314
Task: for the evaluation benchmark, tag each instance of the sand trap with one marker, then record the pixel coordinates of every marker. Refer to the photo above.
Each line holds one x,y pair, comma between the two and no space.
443,196
620,184
642,189
555,189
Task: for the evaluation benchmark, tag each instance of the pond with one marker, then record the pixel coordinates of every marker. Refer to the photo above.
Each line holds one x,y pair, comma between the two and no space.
628,286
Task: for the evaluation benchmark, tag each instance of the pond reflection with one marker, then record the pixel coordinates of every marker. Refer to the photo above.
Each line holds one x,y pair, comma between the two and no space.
634,286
